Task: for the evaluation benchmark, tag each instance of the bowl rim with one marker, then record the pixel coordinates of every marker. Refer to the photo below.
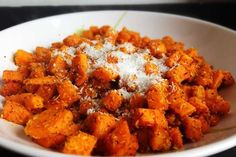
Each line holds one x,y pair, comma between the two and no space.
203,150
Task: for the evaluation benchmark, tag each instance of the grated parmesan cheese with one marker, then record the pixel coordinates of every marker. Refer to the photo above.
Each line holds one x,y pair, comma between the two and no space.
130,67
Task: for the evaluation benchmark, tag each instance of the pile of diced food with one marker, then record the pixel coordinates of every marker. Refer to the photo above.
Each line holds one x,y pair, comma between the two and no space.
108,92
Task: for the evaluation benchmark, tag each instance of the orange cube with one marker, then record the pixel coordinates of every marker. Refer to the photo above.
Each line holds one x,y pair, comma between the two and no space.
138,101
156,97
218,105
117,142
43,54
68,92
173,58
185,60
72,40
99,124
46,91
192,129
178,74
182,108
80,63
228,79
57,66
10,75
15,112
160,139
104,74
199,104
33,103
19,98
150,68
176,138
157,48
23,58
51,141
149,117
80,144
204,75
50,121
143,139
10,88
47,80
198,91
37,70
218,77
112,100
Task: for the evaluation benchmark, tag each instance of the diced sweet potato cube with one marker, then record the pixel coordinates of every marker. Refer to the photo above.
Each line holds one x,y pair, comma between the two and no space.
51,141
159,139
133,146
199,104
99,124
10,75
157,48
112,100
173,119
218,77
80,144
80,63
228,79
33,103
23,58
198,91
81,79
50,121
151,68
204,75
68,92
24,70
19,98
205,125
72,40
176,138
138,101
213,119
84,106
37,70
30,88
172,59
211,94
15,112
149,117
43,54
46,91
156,97
218,105
10,88
55,104
143,140
178,74
171,45
185,60
192,52
176,92
182,108
192,129
47,80
117,142
105,74
58,66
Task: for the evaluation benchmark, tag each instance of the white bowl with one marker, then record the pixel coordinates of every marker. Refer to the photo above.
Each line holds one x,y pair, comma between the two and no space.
215,43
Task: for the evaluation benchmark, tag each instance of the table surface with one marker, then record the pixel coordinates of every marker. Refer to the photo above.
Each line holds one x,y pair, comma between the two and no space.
220,13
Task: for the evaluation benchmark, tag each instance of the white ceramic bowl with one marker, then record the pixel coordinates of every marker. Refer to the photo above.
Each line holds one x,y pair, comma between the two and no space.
215,43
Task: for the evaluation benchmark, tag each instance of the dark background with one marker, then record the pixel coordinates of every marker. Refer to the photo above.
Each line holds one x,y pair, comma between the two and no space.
220,13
